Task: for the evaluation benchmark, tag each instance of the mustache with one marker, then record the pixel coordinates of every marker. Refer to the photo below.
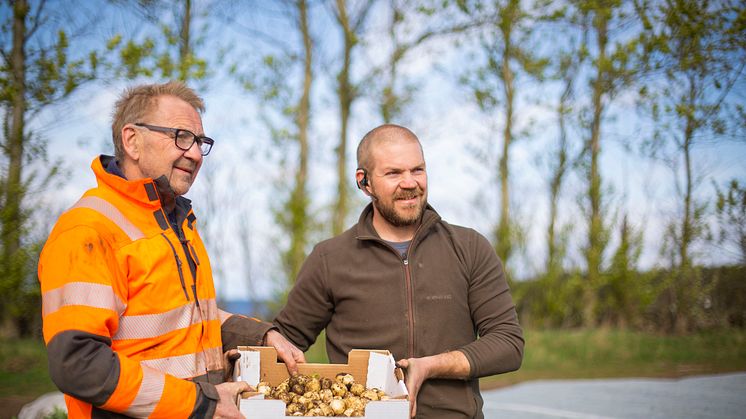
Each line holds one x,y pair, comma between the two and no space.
409,194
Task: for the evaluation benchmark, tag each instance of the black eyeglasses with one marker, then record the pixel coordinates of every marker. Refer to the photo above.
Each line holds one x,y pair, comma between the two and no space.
184,139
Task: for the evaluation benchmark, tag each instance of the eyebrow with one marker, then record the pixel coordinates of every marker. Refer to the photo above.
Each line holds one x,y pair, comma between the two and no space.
399,169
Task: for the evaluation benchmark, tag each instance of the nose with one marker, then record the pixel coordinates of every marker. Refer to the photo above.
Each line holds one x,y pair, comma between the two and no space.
194,152
407,181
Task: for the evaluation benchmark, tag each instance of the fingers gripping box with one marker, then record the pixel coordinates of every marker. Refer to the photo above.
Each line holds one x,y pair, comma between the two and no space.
377,369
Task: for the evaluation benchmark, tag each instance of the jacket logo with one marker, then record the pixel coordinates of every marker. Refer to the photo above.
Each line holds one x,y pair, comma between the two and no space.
439,297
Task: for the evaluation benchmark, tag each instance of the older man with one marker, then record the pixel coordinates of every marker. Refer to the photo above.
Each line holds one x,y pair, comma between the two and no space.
130,319
402,279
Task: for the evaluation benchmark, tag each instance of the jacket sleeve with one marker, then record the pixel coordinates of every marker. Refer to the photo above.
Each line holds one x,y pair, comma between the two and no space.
309,306
239,330
83,295
499,348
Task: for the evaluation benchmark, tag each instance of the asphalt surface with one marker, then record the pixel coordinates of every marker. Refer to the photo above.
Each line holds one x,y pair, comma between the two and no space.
715,396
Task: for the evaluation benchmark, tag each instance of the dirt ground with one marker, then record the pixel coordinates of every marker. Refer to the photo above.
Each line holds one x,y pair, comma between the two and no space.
11,405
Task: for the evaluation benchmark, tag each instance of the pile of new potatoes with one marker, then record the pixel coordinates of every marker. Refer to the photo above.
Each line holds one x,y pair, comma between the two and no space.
306,395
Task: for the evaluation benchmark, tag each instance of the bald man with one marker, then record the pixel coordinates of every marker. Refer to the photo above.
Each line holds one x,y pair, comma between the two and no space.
404,280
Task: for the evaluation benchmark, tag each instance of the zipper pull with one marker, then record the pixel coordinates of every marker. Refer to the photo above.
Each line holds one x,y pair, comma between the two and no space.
405,259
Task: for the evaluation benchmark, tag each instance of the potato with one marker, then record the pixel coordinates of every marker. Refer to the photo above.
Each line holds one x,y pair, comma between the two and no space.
305,395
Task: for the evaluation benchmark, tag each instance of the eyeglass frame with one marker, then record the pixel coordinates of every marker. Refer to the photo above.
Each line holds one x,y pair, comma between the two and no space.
175,131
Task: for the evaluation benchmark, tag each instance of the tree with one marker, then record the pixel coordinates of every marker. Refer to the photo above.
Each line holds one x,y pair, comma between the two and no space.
623,296
295,218
284,83
352,23
567,69
412,25
730,210
171,56
38,71
506,45
613,67
691,45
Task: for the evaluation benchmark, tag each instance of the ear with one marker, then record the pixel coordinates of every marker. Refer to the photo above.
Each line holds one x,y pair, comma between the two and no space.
359,175
132,142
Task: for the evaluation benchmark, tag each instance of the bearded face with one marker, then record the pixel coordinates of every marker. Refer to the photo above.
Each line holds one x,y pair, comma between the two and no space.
404,208
398,183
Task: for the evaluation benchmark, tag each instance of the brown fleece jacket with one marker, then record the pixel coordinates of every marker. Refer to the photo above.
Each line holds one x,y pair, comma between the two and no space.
448,293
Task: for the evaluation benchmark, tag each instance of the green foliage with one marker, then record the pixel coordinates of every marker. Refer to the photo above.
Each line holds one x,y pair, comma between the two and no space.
637,300
626,292
730,209
167,51
282,80
606,353
57,413
552,300
23,368
37,72
509,56
317,352
689,45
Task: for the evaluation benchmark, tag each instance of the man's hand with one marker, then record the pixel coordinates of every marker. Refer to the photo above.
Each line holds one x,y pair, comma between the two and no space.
286,351
227,404
417,370
229,363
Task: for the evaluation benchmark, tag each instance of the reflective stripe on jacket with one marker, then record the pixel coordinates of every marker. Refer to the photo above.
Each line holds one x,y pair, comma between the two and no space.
129,310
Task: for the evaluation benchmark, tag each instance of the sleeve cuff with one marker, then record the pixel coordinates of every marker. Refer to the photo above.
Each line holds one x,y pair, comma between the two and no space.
472,362
206,401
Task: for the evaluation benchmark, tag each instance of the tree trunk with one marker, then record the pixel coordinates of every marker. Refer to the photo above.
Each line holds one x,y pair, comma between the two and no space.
686,289
12,213
185,51
555,185
299,206
390,100
595,230
504,237
686,223
345,95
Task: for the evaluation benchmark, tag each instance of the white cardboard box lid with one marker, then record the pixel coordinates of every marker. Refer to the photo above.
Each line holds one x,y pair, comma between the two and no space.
381,375
249,367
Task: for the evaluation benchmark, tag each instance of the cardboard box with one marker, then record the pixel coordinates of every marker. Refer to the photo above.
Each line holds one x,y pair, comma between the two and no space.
377,369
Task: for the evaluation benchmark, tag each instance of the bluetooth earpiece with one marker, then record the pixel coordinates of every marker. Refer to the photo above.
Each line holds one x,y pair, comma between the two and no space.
364,184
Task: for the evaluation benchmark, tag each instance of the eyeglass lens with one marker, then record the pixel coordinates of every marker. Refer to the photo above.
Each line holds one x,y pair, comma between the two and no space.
185,139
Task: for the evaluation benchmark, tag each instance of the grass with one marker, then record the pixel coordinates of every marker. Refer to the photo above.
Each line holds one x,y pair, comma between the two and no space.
549,354
23,368
602,353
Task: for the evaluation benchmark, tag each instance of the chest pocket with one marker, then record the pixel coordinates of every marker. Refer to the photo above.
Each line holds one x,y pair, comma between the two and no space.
157,271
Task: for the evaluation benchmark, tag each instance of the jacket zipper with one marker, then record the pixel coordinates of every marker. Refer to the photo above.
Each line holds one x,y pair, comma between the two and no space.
184,242
407,280
410,303
184,245
408,284
178,265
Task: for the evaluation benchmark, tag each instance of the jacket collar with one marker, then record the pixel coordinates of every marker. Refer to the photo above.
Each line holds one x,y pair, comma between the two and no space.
148,192
365,228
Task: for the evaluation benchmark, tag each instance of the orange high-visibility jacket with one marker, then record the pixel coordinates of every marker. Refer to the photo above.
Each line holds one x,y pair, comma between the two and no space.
130,319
